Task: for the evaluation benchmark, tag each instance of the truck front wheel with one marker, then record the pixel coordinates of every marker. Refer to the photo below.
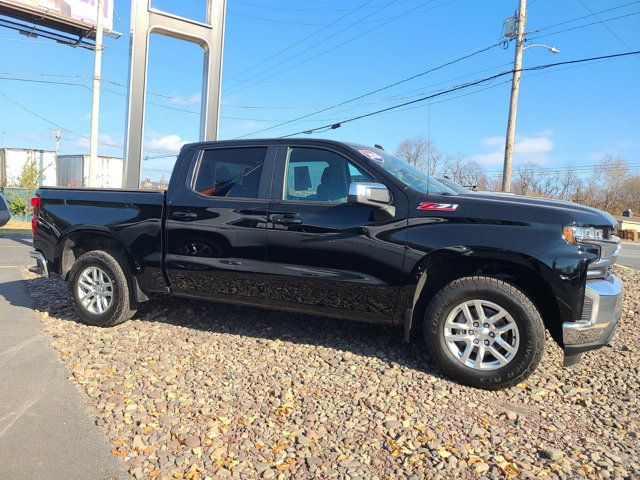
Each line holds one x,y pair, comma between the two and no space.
99,289
484,332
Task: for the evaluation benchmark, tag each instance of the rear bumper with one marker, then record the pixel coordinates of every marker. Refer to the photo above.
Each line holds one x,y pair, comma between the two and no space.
41,263
601,312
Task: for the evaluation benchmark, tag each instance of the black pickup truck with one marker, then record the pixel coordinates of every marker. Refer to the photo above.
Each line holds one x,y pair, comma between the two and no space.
347,231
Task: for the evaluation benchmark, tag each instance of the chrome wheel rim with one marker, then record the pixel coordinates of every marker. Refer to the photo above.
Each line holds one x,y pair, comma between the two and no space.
481,335
95,290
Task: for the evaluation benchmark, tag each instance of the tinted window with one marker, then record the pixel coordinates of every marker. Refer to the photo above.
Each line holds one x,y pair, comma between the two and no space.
320,175
230,172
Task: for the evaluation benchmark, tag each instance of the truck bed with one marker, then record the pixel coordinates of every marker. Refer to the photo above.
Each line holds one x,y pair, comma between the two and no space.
133,218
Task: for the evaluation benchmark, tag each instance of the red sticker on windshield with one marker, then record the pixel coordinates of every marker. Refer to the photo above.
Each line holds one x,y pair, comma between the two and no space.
438,207
372,155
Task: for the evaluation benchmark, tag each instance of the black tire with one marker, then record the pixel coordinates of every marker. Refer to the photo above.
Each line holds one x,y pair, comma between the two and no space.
531,332
114,265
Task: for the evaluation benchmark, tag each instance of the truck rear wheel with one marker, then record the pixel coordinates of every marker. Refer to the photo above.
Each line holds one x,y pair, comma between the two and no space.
99,289
484,332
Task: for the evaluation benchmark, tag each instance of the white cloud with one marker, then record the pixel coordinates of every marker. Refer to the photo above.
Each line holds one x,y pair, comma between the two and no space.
192,99
104,141
492,141
534,149
163,143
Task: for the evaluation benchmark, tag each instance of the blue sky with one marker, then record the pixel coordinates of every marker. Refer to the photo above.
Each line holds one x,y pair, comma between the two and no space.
334,50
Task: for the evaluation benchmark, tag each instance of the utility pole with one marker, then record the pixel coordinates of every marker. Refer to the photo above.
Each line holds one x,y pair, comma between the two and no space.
95,104
57,134
513,104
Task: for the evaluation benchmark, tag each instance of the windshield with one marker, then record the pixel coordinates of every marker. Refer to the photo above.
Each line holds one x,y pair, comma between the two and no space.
453,185
407,174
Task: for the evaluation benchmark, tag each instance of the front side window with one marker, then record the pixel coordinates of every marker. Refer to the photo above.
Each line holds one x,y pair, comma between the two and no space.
230,172
317,175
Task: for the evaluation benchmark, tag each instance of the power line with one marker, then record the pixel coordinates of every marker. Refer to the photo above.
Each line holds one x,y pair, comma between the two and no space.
307,10
168,107
611,31
377,90
306,49
26,109
459,87
307,24
592,14
52,82
544,172
311,35
73,132
411,11
428,71
480,89
323,52
567,168
582,26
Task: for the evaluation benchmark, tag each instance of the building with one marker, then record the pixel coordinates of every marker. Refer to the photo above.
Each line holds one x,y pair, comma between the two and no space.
13,161
147,184
628,224
73,171
60,170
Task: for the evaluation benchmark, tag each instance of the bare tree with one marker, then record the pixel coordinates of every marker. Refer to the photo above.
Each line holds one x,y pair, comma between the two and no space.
612,174
568,183
464,171
526,178
610,187
421,153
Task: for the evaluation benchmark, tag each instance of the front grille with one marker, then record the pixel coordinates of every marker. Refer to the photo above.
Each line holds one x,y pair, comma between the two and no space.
609,250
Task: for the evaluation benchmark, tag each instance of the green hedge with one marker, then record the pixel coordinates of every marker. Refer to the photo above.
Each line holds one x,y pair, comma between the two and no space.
19,200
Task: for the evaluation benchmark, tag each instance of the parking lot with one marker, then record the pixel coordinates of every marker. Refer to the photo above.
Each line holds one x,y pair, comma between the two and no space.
630,255
191,389
45,431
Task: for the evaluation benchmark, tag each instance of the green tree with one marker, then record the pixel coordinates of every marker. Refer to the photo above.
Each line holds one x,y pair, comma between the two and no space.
30,175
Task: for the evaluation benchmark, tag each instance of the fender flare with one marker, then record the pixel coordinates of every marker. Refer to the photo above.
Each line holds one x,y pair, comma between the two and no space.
487,258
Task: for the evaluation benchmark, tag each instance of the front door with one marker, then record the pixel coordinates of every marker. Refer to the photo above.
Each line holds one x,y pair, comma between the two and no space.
216,226
324,254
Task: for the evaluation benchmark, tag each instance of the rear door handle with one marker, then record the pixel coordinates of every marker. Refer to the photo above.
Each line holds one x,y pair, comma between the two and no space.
285,218
184,216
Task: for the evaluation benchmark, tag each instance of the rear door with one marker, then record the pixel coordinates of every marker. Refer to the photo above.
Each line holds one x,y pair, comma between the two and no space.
323,254
216,224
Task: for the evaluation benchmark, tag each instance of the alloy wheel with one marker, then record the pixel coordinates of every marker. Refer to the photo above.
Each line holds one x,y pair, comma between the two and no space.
481,335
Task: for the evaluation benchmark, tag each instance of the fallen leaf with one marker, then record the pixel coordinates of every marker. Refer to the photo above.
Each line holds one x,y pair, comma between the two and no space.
473,459
444,453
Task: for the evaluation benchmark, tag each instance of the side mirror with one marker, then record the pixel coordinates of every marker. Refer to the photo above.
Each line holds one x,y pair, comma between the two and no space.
371,194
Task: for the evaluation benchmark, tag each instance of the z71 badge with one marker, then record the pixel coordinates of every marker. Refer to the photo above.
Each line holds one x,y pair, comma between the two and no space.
438,207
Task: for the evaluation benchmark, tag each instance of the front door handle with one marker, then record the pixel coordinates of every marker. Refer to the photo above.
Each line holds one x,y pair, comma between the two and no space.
285,218
184,216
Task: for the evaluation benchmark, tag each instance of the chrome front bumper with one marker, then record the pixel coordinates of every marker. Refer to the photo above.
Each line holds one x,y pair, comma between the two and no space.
41,263
601,312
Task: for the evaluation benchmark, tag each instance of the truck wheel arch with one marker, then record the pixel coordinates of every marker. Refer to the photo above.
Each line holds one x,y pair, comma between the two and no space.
442,267
81,240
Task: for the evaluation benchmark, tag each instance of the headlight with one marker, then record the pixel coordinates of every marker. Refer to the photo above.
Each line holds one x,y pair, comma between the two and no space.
582,234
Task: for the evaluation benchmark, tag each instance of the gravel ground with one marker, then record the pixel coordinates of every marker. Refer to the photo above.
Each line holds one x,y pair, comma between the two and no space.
193,390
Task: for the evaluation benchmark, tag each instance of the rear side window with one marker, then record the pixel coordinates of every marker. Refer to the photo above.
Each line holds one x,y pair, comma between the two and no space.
230,172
